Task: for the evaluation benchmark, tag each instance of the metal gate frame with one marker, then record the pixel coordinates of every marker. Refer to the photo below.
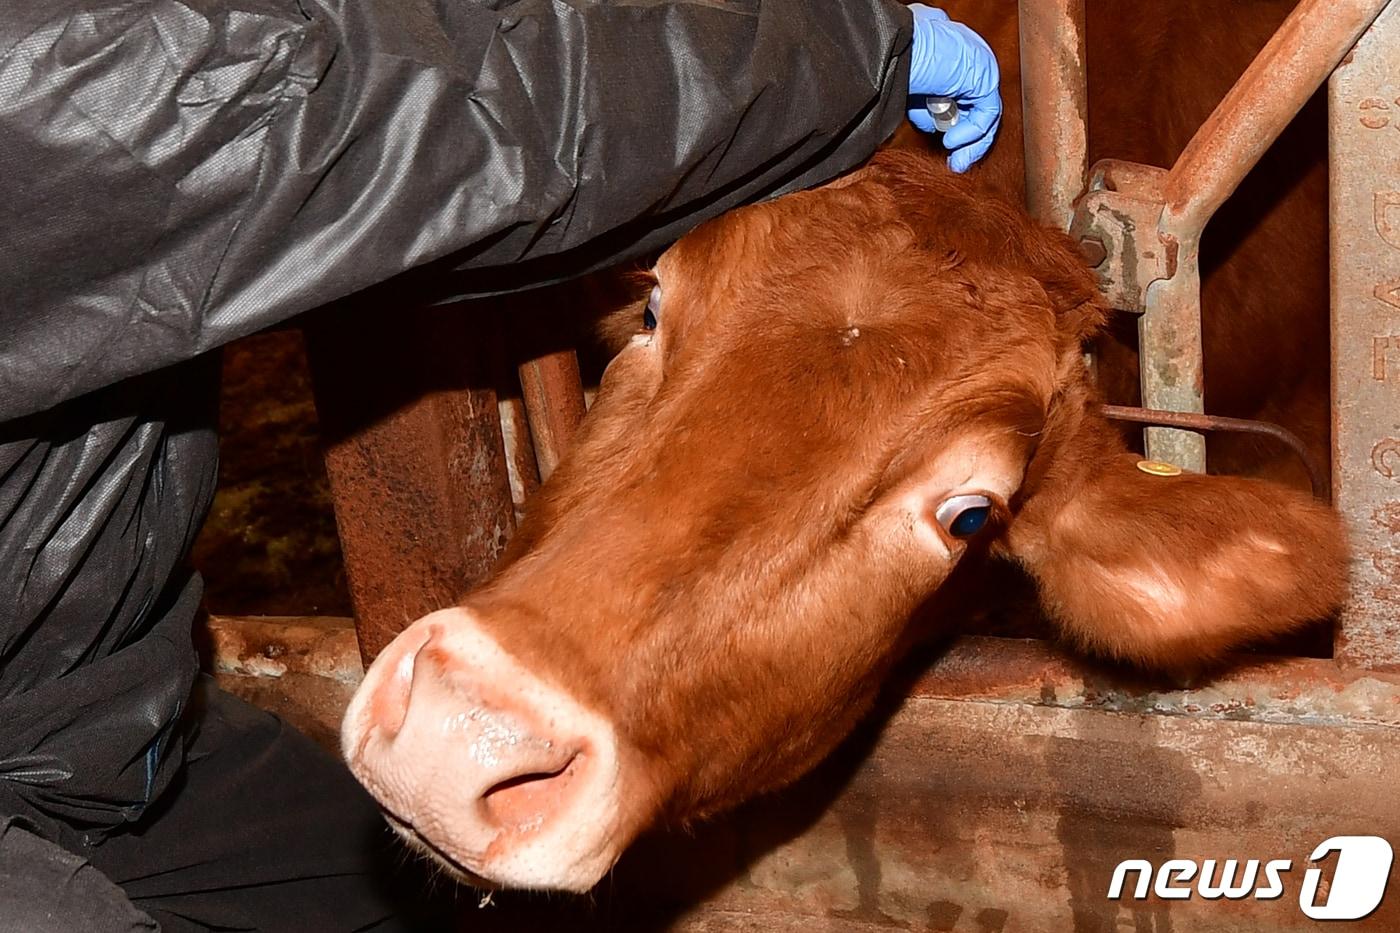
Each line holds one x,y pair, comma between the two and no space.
1146,224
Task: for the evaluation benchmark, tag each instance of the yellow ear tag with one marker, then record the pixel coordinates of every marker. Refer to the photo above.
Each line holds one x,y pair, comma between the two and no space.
1158,468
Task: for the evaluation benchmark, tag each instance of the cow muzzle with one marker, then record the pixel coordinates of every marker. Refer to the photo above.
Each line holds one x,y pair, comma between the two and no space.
482,763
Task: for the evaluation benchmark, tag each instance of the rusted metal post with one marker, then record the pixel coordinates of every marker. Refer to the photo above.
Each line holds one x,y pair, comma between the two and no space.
1143,271
1171,368
415,459
554,397
1364,103
521,461
1054,107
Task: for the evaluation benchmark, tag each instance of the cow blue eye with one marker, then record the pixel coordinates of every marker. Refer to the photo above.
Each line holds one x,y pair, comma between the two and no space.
964,516
653,308
970,521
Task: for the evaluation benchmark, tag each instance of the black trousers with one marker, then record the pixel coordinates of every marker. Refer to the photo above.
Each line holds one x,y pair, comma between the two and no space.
131,793
261,830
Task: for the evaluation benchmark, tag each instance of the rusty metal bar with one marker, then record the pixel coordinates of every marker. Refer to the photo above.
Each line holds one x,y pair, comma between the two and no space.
1172,360
521,460
1317,478
554,398
1304,691
1290,67
979,668
1054,107
522,467
1364,105
1285,73
415,459
275,646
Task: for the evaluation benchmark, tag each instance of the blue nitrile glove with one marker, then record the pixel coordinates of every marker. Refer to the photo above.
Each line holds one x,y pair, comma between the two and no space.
950,60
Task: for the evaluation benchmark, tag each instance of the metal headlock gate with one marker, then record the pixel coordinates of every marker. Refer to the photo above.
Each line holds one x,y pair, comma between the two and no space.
1146,224
1008,784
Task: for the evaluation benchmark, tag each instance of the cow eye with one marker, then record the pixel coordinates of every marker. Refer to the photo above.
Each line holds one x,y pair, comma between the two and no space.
964,516
649,316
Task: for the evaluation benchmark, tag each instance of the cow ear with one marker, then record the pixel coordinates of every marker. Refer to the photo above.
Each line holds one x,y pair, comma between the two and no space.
1171,572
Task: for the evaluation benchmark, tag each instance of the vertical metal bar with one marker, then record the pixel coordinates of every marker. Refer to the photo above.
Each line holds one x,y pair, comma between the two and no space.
522,467
521,462
415,458
1364,104
1054,107
554,397
1171,362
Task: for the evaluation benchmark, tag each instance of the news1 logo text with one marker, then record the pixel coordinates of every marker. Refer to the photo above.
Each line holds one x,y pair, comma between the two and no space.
1358,881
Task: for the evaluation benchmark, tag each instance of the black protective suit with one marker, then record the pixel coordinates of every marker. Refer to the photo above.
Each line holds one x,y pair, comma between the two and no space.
179,174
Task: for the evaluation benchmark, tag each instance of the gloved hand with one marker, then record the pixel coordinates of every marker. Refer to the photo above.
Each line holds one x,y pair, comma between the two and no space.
950,60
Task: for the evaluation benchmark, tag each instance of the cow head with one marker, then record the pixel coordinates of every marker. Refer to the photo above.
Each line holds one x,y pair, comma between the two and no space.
846,392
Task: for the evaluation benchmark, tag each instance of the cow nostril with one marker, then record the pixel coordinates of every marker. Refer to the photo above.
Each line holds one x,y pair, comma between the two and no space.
389,704
527,801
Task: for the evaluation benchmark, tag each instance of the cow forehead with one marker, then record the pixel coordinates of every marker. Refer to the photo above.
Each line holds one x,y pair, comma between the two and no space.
826,235
876,335
849,262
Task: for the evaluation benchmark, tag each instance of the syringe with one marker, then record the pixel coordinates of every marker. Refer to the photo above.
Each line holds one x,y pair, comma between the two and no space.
943,111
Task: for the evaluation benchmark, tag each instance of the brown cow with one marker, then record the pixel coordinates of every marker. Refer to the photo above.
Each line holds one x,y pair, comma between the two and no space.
850,391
